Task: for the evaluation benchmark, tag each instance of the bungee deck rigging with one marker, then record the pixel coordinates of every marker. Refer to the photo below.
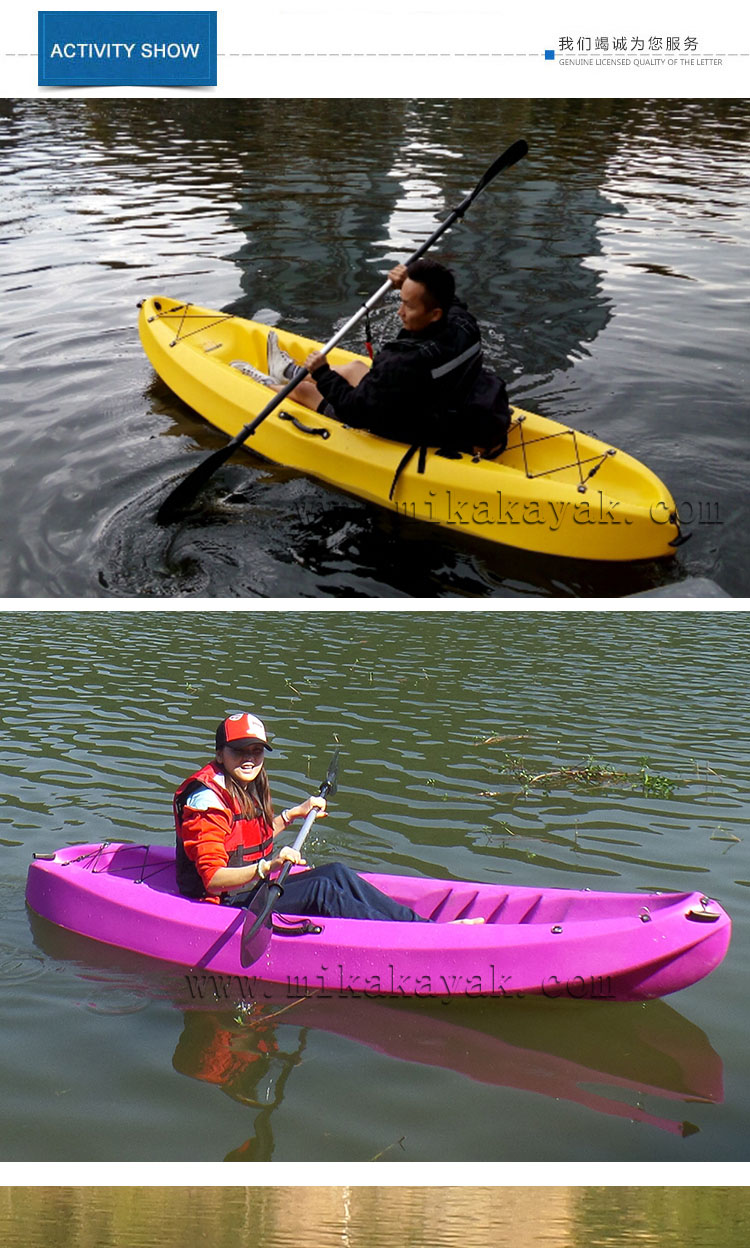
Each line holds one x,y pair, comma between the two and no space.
134,868
519,419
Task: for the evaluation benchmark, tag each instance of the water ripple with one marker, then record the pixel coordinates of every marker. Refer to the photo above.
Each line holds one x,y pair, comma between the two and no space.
574,264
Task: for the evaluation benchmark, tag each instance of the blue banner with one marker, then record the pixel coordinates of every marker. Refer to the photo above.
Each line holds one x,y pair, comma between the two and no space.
127,49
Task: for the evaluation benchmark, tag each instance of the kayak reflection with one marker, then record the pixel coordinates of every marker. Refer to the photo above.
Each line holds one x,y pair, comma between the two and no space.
605,1058
611,1058
240,1053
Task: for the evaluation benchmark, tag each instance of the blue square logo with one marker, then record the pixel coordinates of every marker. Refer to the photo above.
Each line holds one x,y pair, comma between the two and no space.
549,54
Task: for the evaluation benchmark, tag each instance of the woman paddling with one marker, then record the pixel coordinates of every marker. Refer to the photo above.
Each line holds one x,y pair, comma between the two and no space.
226,829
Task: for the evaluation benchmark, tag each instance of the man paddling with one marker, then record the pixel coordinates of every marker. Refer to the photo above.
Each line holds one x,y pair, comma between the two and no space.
487,394
425,387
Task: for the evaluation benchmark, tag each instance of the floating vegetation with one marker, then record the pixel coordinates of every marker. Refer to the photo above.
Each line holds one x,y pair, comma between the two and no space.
395,1144
654,786
721,834
703,771
253,1015
590,774
706,776
499,740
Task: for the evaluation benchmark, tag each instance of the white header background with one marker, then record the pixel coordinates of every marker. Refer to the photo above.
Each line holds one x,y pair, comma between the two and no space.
437,48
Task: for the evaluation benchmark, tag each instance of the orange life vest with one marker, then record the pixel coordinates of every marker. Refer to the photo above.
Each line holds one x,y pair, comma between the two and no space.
216,1053
249,838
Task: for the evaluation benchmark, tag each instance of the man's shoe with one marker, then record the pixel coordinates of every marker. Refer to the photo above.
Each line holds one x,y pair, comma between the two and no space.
281,366
250,370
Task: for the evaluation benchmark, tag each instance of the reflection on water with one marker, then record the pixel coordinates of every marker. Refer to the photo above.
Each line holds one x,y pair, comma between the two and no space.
644,1064
375,1217
251,1052
593,267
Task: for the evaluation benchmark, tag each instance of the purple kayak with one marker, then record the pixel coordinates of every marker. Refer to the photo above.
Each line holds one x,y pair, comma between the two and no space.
554,942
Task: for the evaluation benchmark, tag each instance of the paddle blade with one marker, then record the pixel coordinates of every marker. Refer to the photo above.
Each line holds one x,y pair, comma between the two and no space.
511,156
185,492
258,926
182,495
330,785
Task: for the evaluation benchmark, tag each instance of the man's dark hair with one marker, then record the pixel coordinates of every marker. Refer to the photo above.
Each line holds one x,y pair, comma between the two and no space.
437,281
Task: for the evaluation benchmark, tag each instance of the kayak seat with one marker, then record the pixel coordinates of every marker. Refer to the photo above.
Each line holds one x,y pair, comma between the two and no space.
493,452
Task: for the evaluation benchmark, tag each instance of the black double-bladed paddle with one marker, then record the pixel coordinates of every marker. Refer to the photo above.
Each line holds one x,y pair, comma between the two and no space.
258,929
183,494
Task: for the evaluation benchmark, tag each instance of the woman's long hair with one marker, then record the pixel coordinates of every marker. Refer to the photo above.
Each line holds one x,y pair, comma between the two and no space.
253,800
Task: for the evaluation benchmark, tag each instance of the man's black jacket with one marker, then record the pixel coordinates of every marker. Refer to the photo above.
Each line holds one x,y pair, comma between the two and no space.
416,385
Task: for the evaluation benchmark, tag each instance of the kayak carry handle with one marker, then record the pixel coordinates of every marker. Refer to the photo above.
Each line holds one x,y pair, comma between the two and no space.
322,433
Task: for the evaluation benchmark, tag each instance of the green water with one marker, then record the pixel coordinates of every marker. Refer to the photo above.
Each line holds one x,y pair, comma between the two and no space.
378,1217
446,722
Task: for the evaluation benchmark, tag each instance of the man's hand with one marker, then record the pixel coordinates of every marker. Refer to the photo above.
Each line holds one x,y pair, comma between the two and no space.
398,275
314,360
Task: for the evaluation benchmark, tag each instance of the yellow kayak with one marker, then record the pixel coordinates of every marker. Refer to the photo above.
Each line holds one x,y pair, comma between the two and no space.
553,490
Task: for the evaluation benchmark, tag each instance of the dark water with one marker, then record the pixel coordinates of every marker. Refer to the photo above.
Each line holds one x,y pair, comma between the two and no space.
607,271
375,1217
445,721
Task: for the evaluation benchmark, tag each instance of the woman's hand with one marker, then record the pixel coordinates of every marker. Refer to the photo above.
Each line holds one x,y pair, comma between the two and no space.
287,854
286,818
313,803
304,808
